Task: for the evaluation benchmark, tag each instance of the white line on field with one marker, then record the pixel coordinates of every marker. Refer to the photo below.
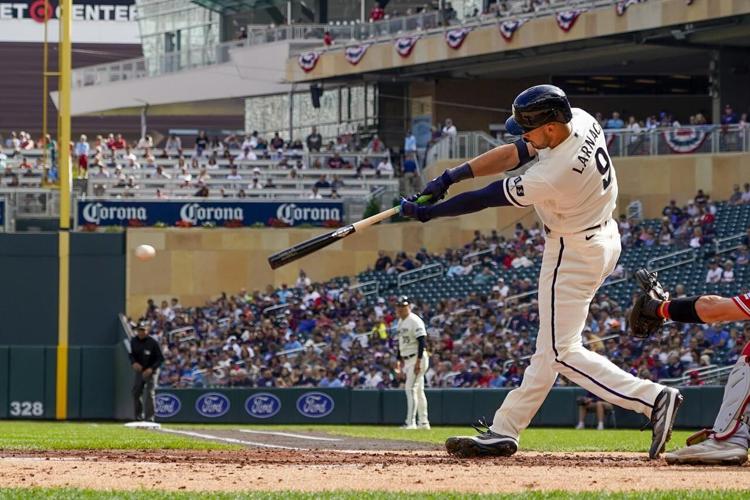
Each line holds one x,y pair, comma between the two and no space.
291,435
232,440
277,446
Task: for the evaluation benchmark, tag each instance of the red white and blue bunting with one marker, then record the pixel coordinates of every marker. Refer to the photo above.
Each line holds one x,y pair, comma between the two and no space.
308,60
405,45
508,28
455,38
567,18
356,53
685,140
622,5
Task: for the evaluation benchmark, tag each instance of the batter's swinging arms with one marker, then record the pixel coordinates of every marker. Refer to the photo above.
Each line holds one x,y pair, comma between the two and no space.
573,188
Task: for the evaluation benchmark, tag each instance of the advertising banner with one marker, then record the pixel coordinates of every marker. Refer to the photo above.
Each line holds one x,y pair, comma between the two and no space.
94,21
135,213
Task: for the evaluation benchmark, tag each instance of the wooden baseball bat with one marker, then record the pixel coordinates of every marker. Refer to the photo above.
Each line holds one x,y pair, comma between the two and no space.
314,244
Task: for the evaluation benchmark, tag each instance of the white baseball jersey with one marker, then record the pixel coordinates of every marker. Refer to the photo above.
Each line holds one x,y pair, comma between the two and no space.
573,186
409,330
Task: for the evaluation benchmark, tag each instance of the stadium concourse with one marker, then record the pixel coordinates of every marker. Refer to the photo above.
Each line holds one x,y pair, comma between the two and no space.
479,304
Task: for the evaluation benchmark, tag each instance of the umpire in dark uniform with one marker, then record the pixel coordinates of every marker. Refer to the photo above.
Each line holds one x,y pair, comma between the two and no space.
145,357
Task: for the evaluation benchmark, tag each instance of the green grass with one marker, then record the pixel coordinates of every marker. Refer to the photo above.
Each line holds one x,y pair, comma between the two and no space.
65,493
534,439
23,435
31,435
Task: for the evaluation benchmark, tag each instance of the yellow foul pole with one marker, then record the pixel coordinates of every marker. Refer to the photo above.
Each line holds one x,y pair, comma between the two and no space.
63,158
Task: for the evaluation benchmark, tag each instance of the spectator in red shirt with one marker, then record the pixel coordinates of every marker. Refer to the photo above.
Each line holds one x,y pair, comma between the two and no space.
117,143
327,38
377,13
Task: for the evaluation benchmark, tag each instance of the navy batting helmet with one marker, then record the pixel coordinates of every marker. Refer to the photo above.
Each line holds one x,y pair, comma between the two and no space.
536,106
403,300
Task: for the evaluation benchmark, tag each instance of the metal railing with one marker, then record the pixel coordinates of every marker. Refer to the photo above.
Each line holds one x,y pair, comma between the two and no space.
371,287
432,22
420,274
478,253
425,22
682,257
708,375
277,307
720,243
620,142
463,145
32,202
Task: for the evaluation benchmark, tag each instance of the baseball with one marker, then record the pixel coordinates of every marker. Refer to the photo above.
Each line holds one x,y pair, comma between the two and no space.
145,252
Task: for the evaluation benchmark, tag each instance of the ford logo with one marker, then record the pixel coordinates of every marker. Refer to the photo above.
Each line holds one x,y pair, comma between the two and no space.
167,405
262,405
315,404
212,405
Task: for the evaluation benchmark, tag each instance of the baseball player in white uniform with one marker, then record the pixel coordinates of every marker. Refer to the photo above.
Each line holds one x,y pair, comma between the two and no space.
573,188
413,360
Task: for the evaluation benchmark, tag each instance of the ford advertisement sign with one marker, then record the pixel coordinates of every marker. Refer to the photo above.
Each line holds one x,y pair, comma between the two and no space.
262,405
100,213
212,405
315,404
167,405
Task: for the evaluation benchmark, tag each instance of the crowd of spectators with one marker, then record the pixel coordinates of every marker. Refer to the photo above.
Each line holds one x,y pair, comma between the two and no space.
663,119
332,335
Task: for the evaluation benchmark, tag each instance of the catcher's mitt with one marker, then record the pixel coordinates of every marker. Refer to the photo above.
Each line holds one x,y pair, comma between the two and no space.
643,319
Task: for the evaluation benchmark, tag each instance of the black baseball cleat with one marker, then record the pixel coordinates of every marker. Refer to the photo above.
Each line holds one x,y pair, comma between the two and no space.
486,444
662,419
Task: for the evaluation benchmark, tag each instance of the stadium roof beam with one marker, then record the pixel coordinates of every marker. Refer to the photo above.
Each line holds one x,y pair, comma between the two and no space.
234,6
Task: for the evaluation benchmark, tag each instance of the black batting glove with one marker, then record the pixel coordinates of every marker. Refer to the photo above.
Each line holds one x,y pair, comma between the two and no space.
413,210
438,187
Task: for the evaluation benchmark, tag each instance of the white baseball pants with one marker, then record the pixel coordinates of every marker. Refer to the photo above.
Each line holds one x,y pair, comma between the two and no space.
573,268
416,401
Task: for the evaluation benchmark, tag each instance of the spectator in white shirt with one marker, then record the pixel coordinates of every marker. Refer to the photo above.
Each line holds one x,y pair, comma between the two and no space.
714,273
727,275
501,288
315,195
185,176
251,141
173,145
449,129
697,239
145,142
302,280
385,167
746,193
248,154
234,175
161,174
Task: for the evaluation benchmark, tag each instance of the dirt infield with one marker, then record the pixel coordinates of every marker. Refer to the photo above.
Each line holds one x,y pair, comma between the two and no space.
318,462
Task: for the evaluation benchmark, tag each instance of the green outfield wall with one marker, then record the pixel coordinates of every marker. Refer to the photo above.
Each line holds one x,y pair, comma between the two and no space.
29,320
388,406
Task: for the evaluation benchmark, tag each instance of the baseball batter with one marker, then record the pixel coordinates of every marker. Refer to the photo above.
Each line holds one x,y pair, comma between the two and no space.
727,442
413,359
573,188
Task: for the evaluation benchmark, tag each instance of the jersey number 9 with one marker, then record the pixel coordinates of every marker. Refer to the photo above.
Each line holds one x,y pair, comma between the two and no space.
602,165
